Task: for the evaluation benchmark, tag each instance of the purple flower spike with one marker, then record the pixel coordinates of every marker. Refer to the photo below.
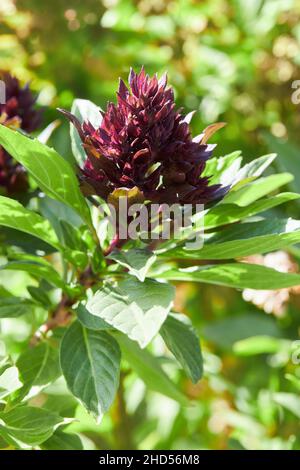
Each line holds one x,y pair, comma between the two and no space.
144,142
18,112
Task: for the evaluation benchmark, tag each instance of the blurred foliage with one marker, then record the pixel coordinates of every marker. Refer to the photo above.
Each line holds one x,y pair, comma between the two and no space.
232,61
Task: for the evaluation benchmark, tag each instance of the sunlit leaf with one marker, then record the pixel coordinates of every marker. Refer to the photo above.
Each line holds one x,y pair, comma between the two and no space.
14,215
238,275
29,425
137,261
138,309
244,240
53,174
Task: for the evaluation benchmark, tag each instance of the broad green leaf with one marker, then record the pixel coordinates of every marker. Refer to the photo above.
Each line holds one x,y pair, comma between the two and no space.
38,367
289,401
71,236
294,380
14,215
29,425
257,189
27,243
40,270
223,169
61,402
91,322
53,174
67,225
84,110
148,368
90,361
39,295
4,292
238,275
261,345
13,307
138,309
227,170
55,212
229,213
253,170
229,331
137,261
224,214
9,381
61,440
244,239
182,340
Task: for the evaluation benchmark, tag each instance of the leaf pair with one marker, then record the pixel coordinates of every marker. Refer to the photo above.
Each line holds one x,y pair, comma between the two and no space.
122,316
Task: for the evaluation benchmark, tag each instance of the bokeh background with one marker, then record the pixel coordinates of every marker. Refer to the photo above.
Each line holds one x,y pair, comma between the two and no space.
232,61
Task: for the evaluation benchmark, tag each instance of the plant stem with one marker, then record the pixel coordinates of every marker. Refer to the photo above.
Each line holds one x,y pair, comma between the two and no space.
123,429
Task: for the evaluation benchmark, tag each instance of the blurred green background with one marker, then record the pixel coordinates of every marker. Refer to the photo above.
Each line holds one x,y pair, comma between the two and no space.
232,61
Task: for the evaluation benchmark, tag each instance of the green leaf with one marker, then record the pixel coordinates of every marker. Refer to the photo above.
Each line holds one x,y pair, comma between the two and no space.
55,212
9,382
261,345
41,269
28,425
13,307
53,174
84,110
182,340
90,321
223,169
257,189
148,368
61,401
227,170
228,213
244,239
61,440
90,361
4,292
27,243
253,170
38,367
14,215
289,401
39,295
238,275
135,308
137,261
294,380
67,225
224,214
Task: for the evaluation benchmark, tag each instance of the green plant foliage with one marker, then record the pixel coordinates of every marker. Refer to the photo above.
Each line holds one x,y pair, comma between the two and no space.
90,361
53,174
135,308
183,342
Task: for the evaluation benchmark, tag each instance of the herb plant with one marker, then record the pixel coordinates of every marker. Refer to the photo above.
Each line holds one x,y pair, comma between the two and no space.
95,303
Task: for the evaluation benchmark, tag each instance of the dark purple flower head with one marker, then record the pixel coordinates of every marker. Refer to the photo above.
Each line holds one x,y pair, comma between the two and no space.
144,142
19,107
18,111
